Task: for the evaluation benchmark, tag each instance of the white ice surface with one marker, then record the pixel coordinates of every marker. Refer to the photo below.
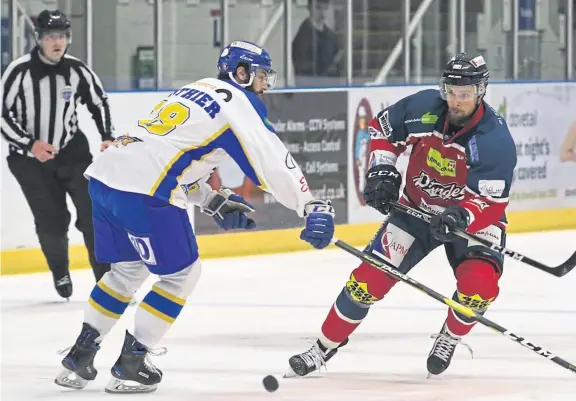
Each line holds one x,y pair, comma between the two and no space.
249,315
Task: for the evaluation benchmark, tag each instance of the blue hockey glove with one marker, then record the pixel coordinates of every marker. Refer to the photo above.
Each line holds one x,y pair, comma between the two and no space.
229,210
442,226
319,229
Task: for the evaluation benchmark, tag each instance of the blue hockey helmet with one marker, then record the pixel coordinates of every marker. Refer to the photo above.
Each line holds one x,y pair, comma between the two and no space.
257,60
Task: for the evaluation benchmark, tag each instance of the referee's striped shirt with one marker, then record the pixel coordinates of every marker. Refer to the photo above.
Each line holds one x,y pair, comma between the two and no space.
39,102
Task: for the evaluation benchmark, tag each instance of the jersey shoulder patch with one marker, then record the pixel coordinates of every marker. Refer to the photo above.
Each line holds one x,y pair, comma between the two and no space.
423,110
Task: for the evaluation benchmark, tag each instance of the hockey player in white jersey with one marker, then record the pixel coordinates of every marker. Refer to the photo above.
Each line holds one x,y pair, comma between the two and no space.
140,188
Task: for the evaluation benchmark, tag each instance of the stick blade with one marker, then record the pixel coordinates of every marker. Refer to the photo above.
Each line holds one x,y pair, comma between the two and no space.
567,266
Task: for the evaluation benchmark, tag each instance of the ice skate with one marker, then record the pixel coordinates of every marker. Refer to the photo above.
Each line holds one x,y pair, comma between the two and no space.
133,372
63,285
311,360
79,362
442,351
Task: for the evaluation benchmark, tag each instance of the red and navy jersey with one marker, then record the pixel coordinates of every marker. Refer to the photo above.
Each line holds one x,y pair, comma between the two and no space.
472,167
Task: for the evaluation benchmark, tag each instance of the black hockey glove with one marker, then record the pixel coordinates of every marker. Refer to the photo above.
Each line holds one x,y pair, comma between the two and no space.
382,187
442,226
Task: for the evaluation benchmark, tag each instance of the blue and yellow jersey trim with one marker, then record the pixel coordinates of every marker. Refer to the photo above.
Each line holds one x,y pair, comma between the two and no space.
225,139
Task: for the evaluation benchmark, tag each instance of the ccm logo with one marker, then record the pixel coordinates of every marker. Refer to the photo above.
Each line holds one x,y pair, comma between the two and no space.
529,345
381,173
413,213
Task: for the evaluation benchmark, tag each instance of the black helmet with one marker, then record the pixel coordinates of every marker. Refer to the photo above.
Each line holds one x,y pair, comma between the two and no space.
464,70
51,21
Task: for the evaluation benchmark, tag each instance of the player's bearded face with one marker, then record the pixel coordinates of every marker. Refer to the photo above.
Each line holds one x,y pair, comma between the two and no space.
462,102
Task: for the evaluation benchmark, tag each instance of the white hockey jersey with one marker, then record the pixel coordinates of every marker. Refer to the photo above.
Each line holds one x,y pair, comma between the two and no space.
172,152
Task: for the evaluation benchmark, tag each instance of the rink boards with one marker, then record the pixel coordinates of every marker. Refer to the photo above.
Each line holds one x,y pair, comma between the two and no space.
23,261
324,130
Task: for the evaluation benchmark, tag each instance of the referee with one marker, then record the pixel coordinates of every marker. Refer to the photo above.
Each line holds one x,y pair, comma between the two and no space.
48,153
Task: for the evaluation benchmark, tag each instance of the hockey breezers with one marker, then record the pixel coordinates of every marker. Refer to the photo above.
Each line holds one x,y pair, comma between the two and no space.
392,272
558,271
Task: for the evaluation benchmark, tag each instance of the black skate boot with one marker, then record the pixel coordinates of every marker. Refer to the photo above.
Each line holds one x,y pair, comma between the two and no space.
63,284
133,372
79,362
442,351
311,360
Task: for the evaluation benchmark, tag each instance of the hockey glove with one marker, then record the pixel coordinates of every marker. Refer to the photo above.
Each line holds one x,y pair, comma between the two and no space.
382,187
229,210
442,226
319,229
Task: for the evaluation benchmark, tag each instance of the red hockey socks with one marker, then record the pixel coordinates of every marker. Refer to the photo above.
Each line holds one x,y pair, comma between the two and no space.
477,284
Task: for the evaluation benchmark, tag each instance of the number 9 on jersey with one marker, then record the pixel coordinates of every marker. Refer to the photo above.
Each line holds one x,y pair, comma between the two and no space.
167,118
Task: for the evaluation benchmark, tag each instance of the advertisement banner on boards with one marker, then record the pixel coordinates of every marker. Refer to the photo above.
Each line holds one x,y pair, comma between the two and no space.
543,124
313,127
363,105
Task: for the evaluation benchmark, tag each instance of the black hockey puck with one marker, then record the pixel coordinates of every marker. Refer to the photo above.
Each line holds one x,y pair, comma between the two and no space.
270,383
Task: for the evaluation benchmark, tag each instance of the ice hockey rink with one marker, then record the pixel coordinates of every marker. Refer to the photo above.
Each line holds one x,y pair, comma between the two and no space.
249,315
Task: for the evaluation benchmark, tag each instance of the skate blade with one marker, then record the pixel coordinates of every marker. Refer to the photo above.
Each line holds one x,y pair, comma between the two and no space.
290,375
69,379
117,386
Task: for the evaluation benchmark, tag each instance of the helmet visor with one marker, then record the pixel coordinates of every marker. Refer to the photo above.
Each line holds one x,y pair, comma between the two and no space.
264,75
461,92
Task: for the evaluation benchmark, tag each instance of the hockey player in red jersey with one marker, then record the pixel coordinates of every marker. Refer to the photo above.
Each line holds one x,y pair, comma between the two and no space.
460,169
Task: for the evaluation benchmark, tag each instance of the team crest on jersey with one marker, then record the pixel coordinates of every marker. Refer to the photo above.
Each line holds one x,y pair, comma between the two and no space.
125,140
435,189
66,93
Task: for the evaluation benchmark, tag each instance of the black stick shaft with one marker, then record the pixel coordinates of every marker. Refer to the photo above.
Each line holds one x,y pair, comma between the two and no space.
391,271
558,271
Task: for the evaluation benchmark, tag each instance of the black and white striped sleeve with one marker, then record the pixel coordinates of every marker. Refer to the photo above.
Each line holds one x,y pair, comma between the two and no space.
96,101
11,129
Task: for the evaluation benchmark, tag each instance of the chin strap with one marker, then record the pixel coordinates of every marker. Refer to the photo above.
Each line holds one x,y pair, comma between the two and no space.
244,85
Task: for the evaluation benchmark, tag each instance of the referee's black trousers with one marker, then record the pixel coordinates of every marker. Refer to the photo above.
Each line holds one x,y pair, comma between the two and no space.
45,186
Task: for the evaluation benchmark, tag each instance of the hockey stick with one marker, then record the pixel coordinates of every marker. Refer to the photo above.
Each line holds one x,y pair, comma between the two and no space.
558,271
392,272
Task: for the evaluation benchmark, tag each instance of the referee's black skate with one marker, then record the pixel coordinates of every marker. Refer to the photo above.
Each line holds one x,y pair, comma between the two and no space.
63,284
311,360
133,372
79,362
442,351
